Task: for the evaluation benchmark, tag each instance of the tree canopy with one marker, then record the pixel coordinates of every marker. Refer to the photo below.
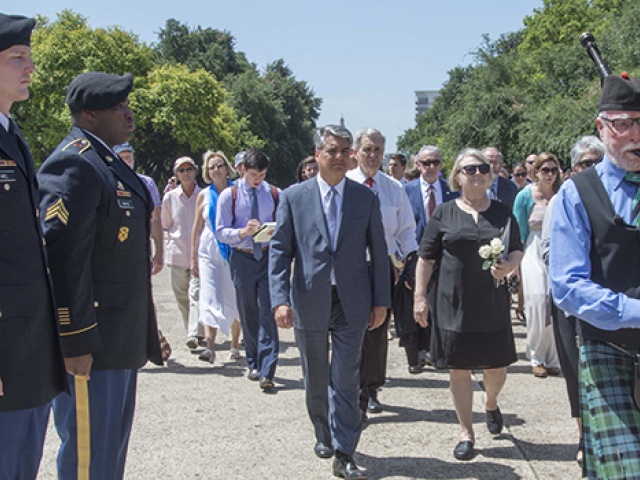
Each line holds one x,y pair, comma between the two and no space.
533,90
192,92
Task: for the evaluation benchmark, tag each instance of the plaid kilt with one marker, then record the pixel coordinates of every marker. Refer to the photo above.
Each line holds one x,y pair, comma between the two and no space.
610,418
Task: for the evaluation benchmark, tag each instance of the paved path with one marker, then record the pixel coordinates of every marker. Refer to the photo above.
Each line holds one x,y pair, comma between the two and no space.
196,421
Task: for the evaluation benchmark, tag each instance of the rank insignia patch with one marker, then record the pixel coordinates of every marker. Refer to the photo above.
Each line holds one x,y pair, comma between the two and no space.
57,210
123,233
7,163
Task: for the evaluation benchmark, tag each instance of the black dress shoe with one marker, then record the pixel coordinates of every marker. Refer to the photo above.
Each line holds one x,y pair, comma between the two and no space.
415,369
345,467
464,450
374,405
494,421
322,450
266,383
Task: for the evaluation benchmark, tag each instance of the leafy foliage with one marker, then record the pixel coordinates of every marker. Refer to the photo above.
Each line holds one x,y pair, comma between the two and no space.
534,90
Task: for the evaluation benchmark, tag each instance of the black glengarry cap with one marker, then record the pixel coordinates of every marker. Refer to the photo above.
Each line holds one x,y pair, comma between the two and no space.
98,90
620,92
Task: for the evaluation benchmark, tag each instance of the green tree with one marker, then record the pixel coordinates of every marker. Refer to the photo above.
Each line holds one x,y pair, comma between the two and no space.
178,112
280,110
61,50
207,48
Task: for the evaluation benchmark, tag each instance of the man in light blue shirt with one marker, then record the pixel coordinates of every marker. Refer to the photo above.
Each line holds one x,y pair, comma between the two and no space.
594,266
242,209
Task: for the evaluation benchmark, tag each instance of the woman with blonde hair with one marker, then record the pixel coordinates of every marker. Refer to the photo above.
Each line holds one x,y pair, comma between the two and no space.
529,209
470,303
209,261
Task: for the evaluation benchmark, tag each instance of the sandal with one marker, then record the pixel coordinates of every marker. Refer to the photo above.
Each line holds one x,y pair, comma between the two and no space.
520,315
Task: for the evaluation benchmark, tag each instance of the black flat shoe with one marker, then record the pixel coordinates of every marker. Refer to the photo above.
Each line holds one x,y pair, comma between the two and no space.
322,450
374,406
494,421
345,467
464,450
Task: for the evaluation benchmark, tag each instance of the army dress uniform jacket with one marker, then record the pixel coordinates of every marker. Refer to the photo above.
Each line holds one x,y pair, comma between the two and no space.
97,225
31,363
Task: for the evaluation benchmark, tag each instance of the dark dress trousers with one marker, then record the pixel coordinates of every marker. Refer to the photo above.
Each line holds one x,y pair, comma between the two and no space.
31,364
322,310
507,191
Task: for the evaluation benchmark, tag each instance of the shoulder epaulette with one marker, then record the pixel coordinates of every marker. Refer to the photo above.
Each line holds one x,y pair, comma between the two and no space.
80,144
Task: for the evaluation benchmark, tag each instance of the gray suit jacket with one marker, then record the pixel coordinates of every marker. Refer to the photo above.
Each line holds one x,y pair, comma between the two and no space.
301,236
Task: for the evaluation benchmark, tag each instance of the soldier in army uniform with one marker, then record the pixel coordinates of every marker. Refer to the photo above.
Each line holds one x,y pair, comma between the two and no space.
31,364
97,227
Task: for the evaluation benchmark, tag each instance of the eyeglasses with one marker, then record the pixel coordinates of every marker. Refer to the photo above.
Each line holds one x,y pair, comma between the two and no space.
187,169
429,163
622,125
549,171
520,175
216,167
586,163
530,162
472,169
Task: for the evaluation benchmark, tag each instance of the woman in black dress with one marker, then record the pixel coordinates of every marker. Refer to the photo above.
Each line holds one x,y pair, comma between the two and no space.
470,308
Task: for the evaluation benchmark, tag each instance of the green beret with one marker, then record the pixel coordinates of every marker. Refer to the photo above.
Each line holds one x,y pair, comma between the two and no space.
620,92
15,30
98,90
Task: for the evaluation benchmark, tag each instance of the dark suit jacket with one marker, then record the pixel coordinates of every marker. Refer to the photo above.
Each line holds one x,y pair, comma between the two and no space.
96,223
301,236
31,363
415,197
507,191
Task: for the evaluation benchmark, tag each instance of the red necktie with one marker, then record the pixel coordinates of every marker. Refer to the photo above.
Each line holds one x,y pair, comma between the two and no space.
369,182
432,200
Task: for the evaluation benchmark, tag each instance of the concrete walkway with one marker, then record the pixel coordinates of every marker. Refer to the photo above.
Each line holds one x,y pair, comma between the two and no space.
201,421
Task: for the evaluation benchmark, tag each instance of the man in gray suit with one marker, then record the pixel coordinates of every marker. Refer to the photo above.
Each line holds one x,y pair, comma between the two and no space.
325,225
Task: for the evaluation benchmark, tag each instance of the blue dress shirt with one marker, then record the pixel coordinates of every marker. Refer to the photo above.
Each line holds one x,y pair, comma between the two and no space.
569,263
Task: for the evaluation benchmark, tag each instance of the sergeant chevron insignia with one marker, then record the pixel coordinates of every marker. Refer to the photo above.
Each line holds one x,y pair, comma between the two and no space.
57,210
123,233
82,144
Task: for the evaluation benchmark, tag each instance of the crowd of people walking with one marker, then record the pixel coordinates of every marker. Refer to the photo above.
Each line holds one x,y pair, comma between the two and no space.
335,257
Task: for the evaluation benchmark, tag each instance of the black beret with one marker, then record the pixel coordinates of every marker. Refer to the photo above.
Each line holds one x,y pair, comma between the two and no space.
620,92
98,90
15,30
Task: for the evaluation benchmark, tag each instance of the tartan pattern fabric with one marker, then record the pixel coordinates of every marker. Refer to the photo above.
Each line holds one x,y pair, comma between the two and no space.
610,419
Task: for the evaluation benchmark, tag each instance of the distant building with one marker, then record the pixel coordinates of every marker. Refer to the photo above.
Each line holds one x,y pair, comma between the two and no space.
424,100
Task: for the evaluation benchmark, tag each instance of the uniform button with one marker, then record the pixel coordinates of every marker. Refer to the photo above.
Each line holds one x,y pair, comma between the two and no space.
37,213
48,271
44,242
127,213
96,304
7,187
0,314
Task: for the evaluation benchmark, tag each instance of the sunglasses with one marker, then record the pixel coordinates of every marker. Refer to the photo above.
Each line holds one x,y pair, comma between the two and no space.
429,163
187,169
520,175
472,169
586,163
549,171
216,167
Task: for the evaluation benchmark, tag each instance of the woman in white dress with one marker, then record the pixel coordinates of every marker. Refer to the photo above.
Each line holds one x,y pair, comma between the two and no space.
218,308
529,209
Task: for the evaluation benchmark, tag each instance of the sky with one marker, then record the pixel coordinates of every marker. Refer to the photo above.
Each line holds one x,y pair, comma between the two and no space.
364,58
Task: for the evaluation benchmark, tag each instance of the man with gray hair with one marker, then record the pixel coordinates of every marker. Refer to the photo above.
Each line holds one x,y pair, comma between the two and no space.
502,189
399,231
325,226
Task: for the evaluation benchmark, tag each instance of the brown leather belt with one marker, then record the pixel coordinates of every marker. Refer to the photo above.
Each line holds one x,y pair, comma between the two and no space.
250,250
